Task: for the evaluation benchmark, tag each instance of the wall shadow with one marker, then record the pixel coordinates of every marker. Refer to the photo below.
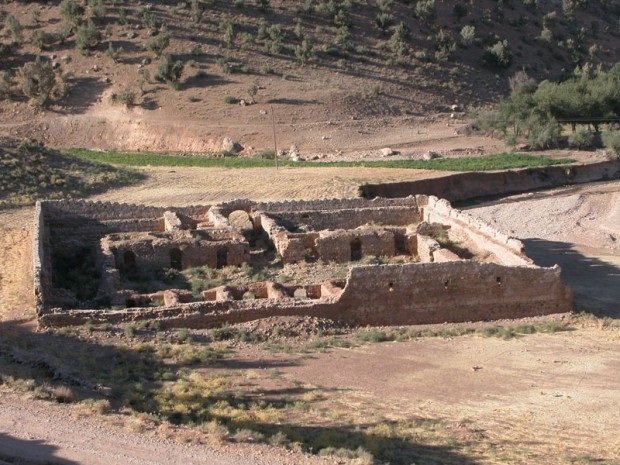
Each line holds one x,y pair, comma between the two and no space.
595,282
29,452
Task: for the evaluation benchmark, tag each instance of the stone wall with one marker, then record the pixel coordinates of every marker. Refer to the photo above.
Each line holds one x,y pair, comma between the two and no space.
470,185
349,218
338,246
509,250
419,293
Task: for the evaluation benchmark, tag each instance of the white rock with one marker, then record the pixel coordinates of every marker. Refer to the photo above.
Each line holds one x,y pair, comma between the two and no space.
231,145
386,152
430,155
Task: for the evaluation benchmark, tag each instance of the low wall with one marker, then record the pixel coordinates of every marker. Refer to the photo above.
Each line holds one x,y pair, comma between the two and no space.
350,218
469,185
420,293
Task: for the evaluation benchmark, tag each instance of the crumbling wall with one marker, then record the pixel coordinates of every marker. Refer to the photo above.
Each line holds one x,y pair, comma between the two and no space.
470,185
350,218
336,246
509,250
447,289
158,253
41,262
418,293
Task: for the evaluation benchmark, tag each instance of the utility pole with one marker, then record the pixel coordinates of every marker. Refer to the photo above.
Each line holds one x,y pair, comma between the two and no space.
275,142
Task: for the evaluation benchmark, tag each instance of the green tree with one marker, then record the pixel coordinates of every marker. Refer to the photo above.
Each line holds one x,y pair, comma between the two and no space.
37,81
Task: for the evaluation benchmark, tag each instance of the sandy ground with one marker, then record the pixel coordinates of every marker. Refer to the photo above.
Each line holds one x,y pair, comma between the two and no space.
540,399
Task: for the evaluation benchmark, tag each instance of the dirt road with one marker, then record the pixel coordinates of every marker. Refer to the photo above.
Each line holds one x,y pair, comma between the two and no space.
43,433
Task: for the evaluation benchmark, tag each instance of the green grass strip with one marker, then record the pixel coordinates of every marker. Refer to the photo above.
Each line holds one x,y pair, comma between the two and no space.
500,161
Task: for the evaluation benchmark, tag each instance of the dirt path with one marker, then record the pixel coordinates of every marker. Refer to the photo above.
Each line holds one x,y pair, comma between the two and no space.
43,433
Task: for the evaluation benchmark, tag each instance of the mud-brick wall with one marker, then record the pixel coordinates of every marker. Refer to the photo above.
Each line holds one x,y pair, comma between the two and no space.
156,255
350,219
88,221
330,204
470,185
506,248
40,261
451,292
378,295
335,246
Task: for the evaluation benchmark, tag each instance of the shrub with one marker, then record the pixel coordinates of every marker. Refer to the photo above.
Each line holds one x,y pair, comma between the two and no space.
611,140
398,41
425,10
231,100
87,37
97,8
122,15
545,135
158,44
127,97
5,51
169,71
15,28
71,11
229,33
6,83
383,21
581,139
445,45
304,51
44,40
114,53
37,81
460,10
498,55
196,11
468,35
374,335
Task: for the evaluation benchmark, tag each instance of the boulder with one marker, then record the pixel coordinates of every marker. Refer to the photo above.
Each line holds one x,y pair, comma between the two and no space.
430,155
386,152
231,145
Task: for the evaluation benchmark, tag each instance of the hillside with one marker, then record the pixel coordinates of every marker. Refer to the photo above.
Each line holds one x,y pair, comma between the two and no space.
340,75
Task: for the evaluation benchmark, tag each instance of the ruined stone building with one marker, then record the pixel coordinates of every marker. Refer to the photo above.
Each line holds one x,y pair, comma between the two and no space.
407,261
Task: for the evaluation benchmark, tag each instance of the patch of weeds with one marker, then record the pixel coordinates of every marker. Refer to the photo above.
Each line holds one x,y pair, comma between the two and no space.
552,326
359,455
498,161
374,335
248,435
500,332
231,100
232,333
130,331
183,335
327,343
